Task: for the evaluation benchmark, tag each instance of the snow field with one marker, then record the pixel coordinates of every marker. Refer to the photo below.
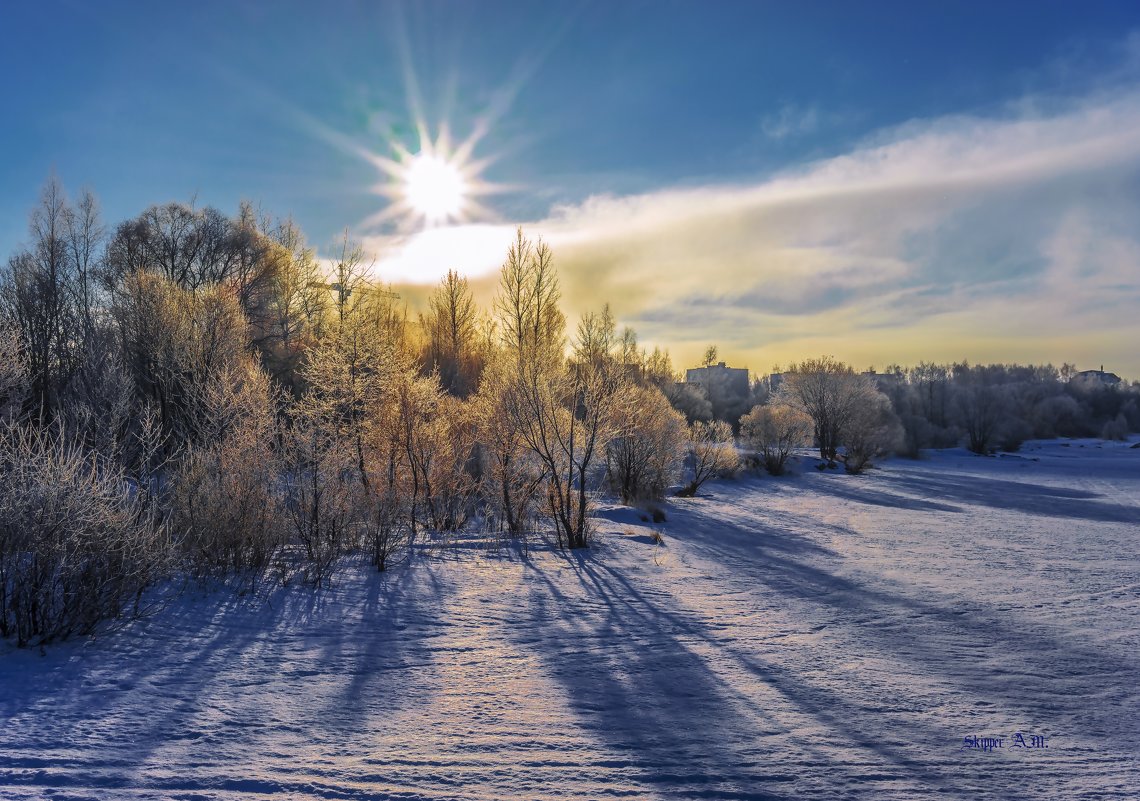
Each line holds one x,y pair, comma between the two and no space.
815,636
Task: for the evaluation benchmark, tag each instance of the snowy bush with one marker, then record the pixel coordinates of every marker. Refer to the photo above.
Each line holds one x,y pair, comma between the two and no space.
712,452
225,510
645,457
773,431
318,501
77,546
437,434
1116,429
1012,434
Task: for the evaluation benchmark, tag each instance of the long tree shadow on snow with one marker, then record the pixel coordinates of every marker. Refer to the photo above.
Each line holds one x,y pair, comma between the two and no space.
860,489
1017,496
630,662
858,608
114,719
178,665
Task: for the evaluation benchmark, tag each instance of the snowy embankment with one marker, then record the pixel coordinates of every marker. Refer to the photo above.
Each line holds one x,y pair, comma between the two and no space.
815,636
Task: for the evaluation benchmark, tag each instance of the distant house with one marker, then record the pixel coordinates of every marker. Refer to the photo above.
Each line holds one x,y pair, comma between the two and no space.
728,390
1093,376
718,377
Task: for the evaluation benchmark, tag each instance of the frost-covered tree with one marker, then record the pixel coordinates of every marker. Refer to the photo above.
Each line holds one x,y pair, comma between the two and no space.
980,405
690,400
173,342
830,393
645,455
871,432
13,374
451,328
773,431
512,472
297,307
563,411
347,464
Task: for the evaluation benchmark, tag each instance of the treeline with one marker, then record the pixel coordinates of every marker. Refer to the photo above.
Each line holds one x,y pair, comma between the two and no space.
999,406
858,417
191,393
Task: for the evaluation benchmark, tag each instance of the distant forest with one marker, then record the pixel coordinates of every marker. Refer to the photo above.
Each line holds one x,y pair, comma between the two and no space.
189,393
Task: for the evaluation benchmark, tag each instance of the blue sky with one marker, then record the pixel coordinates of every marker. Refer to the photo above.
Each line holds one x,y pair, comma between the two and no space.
619,110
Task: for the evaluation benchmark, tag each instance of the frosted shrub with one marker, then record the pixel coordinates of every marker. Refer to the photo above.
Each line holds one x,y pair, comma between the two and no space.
320,482
437,435
773,431
645,458
712,452
77,546
1013,433
225,509
1116,429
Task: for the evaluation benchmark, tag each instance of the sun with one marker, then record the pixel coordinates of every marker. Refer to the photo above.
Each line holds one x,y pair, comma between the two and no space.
437,185
434,188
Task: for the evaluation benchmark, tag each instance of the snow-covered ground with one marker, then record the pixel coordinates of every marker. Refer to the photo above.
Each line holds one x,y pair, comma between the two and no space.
815,636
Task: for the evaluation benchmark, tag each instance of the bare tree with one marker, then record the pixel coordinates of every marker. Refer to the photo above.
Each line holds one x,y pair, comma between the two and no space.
710,356
38,296
829,392
85,238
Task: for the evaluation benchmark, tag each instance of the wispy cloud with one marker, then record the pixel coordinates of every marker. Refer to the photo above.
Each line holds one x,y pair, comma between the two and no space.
1003,237
790,120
